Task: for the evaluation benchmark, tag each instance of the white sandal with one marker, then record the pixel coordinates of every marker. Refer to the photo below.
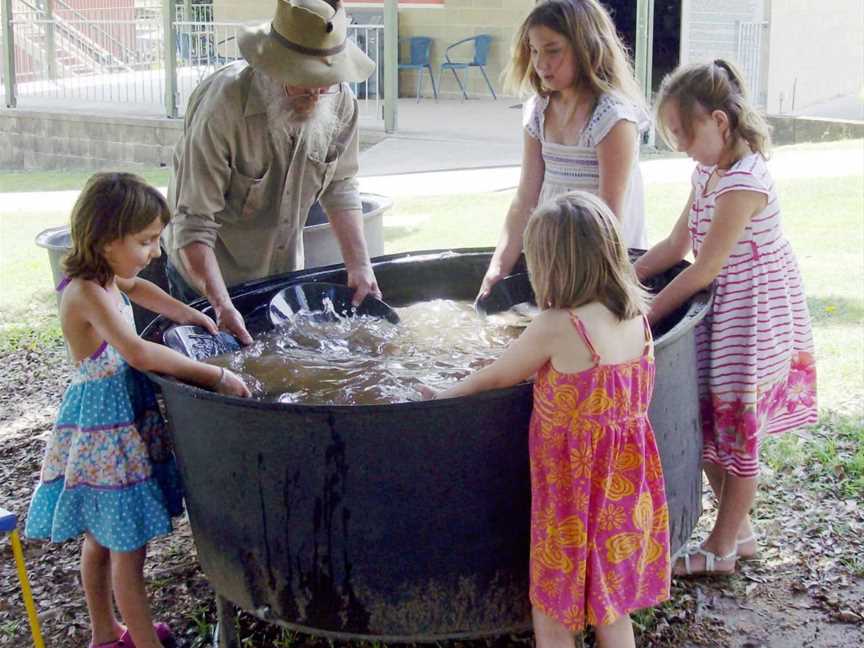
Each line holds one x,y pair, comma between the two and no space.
750,538
710,559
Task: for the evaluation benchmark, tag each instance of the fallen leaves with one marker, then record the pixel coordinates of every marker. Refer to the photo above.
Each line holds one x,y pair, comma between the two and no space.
805,588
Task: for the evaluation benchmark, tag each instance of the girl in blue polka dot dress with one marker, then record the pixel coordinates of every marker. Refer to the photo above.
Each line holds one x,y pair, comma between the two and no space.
109,472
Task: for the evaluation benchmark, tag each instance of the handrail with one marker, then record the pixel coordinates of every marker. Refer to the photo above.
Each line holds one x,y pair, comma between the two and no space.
126,50
86,46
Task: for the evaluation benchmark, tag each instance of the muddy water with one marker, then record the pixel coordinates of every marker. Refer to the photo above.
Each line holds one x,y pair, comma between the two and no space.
366,361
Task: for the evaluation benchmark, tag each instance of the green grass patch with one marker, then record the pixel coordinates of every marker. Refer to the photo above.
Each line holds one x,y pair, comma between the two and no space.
70,180
829,455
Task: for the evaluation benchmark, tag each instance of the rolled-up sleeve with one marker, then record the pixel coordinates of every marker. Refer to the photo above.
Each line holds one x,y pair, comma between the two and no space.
343,192
202,177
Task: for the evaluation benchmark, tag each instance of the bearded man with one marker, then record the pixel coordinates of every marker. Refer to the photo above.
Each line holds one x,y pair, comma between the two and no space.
263,140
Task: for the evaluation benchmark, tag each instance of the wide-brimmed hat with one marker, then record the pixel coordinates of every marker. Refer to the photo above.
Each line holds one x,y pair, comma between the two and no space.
307,45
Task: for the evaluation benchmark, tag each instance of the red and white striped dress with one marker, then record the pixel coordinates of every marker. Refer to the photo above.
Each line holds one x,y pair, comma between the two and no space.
757,373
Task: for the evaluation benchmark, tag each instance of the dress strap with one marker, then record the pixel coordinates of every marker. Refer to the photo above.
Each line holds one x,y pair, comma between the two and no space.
580,329
649,338
63,283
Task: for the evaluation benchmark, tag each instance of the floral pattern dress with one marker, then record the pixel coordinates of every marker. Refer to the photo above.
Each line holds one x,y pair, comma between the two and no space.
599,518
756,366
108,469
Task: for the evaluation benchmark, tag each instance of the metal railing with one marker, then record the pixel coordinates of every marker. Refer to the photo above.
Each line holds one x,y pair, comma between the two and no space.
114,58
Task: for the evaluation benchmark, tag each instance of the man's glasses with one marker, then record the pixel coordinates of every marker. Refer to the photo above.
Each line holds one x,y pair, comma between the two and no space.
317,92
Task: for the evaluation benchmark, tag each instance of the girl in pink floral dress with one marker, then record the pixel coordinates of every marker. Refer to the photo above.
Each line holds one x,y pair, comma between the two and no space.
756,370
108,472
599,519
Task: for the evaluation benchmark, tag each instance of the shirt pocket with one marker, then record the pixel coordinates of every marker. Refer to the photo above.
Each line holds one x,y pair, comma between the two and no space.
246,196
318,177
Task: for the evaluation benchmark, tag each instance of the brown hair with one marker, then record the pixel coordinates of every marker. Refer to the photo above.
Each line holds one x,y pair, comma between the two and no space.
111,206
575,256
713,86
602,62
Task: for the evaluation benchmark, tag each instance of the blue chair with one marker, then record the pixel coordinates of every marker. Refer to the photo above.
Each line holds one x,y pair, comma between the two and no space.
419,49
481,53
9,524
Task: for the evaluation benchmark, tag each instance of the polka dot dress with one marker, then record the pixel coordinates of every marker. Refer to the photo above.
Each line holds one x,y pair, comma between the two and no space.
108,468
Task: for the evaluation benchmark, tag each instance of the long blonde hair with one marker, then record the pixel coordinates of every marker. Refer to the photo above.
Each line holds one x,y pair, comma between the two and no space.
575,257
718,85
602,63
111,206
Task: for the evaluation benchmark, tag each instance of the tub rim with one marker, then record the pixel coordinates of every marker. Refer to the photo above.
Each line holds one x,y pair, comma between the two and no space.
699,302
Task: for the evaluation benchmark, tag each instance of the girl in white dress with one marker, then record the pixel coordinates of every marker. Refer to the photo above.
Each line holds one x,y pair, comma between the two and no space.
582,124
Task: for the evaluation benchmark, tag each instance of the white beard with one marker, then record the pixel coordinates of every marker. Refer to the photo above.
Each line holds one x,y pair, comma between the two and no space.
286,122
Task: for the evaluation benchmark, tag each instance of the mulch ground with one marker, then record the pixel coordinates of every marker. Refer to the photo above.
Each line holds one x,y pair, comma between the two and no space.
806,588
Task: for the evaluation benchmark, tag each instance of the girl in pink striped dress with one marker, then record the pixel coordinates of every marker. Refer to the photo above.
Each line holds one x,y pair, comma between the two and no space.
757,375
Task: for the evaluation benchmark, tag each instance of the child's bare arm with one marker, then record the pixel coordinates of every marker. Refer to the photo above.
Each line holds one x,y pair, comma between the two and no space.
510,241
615,155
669,251
110,325
152,297
520,361
732,214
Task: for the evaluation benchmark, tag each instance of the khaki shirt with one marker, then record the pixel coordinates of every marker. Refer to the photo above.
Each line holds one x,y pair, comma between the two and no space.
236,191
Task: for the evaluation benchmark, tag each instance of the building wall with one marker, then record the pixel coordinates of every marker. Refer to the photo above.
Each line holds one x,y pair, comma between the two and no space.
446,24
710,30
456,20
816,52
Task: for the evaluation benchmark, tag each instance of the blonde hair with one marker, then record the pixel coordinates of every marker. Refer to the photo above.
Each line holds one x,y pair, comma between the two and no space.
575,256
602,62
111,206
713,86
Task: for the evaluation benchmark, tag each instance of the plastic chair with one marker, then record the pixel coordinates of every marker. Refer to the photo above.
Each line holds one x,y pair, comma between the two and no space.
481,53
9,524
419,49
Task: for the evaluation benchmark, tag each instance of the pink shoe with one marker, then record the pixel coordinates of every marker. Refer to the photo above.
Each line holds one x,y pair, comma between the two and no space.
163,633
117,643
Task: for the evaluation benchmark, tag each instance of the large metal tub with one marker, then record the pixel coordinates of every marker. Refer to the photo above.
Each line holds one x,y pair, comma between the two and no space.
406,521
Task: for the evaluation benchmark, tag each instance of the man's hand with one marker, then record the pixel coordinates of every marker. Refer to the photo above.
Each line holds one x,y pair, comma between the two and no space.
362,280
229,319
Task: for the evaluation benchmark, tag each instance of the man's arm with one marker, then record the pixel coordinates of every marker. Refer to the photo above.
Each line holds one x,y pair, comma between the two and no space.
341,203
201,181
203,270
348,228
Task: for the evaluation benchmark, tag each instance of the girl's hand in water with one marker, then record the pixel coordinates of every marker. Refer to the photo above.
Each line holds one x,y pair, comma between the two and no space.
493,275
230,384
426,392
198,318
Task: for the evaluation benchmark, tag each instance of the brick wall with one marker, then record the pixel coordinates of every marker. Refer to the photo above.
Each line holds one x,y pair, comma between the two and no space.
57,140
456,20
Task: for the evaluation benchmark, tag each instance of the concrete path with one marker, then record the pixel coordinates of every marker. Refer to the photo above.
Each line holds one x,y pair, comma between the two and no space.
788,162
475,146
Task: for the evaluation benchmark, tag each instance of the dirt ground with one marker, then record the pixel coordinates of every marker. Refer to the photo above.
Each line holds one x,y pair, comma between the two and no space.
805,589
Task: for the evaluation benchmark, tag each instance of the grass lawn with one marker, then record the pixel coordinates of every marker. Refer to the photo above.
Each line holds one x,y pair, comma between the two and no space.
822,219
